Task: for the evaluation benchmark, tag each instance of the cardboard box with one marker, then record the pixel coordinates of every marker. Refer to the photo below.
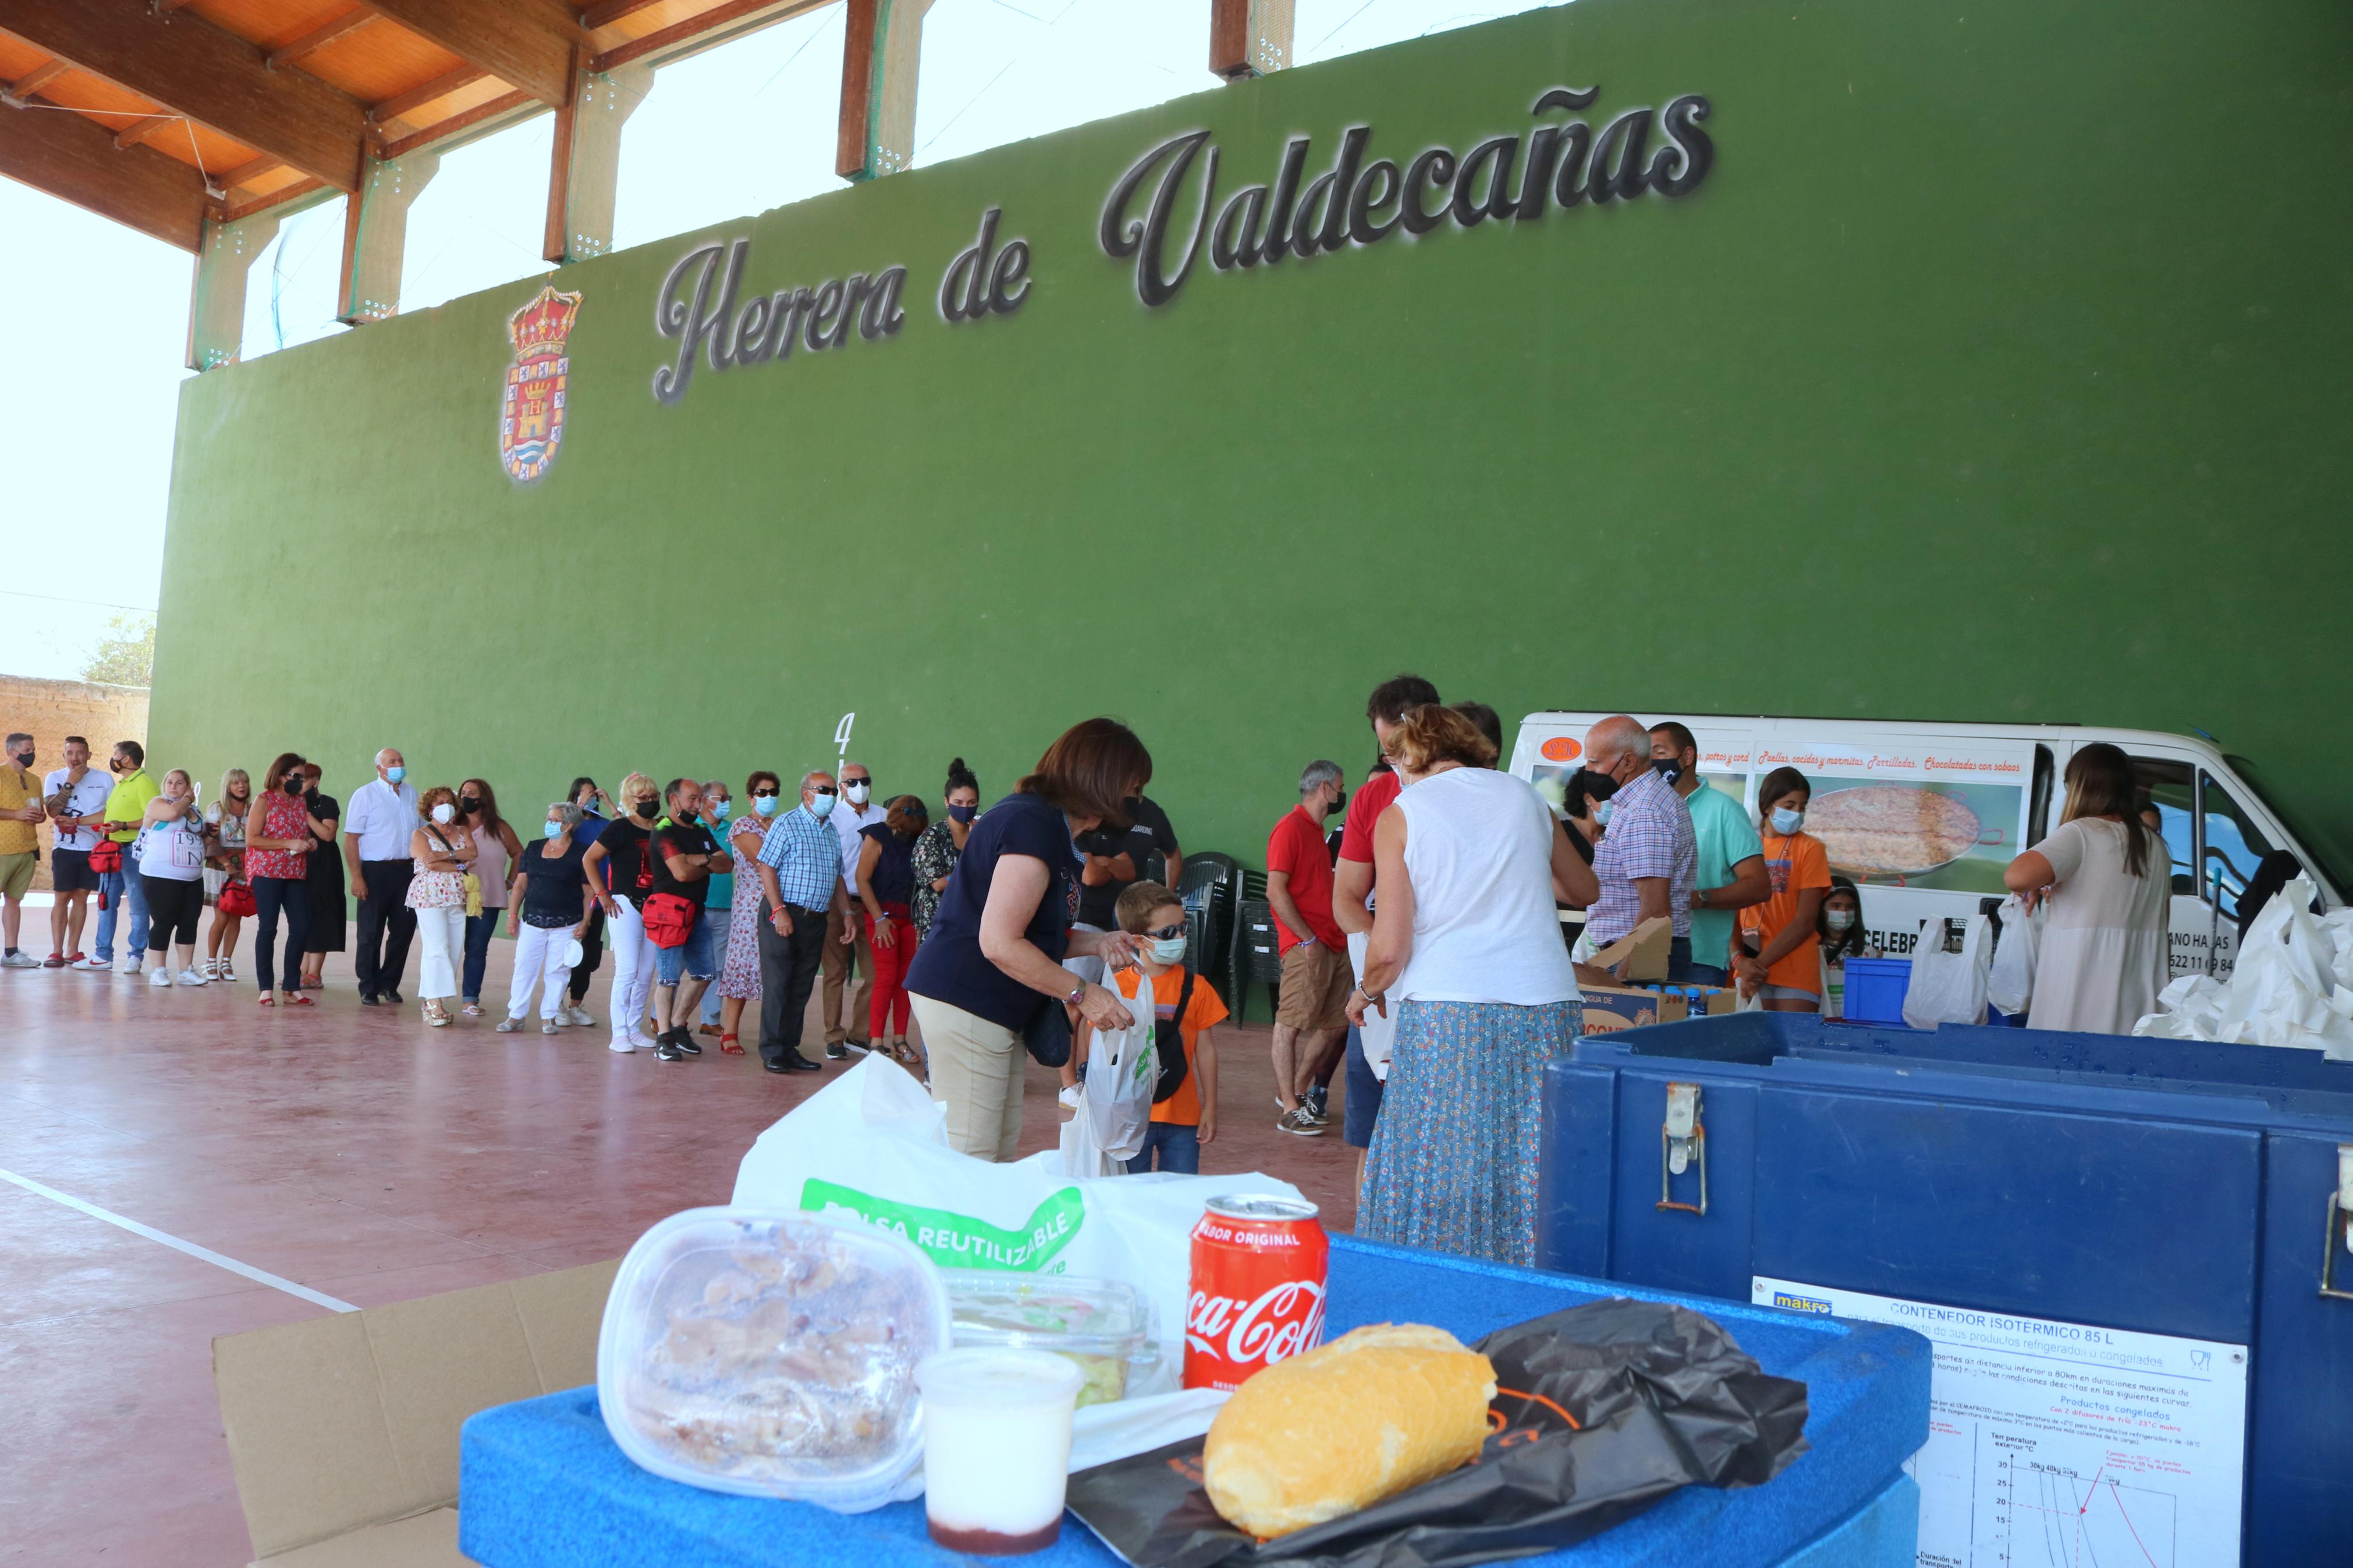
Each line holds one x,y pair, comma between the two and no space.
344,1429
1609,1008
1642,951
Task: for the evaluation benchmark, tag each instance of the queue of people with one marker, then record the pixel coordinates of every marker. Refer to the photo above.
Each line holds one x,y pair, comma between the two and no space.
1421,940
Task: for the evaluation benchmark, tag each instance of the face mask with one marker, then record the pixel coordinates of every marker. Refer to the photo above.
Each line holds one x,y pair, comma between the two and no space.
24,759
765,805
963,813
1100,841
1837,919
444,812
1167,950
720,810
1601,810
394,775
685,818
1339,803
1667,768
820,806
1785,822
649,809
556,829
858,791
470,804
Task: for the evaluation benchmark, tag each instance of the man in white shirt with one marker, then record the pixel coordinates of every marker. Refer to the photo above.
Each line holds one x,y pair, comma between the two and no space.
377,822
75,797
844,925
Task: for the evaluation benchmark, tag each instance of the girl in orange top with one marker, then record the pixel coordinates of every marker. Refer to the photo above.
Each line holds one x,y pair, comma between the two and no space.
1780,947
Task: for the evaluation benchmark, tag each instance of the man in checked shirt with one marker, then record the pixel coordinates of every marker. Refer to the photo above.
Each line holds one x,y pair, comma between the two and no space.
1648,854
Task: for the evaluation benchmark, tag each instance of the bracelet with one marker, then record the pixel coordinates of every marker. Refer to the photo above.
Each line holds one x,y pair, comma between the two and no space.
1077,992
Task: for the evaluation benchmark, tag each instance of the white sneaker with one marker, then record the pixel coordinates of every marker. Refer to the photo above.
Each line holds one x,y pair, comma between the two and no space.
98,964
623,1047
20,960
126,966
578,1016
558,1021
158,976
190,977
1069,1098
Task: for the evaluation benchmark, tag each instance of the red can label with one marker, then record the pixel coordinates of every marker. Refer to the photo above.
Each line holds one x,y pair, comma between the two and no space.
1259,1272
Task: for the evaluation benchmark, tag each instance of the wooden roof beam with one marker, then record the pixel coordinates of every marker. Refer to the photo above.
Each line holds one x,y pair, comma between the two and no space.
232,180
16,92
74,159
319,37
527,44
208,73
417,96
605,13
142,130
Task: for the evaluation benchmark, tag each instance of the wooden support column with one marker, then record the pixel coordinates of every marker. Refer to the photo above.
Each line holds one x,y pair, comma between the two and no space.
375,235
883,46
1249,37
217,314
587,176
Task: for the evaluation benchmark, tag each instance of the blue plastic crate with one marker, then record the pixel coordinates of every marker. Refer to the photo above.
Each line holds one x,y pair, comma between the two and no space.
1875,987
542,1486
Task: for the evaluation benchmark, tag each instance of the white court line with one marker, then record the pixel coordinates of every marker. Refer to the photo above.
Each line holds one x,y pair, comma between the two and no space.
205,1253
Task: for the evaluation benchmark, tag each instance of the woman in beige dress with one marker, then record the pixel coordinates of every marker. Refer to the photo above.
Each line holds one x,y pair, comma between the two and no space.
2108,883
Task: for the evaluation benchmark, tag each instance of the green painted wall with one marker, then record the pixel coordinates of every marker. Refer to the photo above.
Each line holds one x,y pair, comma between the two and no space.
1997,370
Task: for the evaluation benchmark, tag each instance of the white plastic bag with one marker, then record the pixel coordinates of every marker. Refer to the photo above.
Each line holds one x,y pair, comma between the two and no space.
1948,987
2010,981
1123,1070
1378,1034
870,1145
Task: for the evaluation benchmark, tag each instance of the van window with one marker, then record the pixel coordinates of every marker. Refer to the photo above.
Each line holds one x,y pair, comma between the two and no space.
2235,844
2169,788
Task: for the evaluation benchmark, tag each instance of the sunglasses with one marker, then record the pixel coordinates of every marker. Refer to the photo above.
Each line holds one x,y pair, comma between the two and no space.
763,795
825,789
1165,933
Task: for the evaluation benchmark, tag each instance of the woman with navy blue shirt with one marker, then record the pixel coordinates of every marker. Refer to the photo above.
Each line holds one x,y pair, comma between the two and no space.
993,961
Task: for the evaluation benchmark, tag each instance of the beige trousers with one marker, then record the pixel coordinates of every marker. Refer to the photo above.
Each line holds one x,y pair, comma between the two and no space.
835,963
977,1074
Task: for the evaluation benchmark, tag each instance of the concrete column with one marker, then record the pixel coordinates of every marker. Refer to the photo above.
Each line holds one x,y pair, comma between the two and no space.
217,312
881,49
1249,37
375,235
589,166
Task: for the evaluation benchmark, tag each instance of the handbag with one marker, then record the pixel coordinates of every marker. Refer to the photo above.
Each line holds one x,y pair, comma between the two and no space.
107,858
1169,1041
668,920
236,899
473,886
1047,1034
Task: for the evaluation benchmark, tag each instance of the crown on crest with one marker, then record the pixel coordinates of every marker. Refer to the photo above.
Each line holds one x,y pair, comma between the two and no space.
543,324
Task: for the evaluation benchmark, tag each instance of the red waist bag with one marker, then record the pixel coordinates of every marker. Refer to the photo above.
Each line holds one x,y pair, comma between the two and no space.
106,857
236,901
668,920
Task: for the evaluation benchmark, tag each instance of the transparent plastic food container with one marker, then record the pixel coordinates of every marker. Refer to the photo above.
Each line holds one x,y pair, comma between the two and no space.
772,1354
1103,1326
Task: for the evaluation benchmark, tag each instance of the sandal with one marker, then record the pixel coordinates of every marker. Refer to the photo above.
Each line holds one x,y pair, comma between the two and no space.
472,1009
298,1000
267,999
436,1015
730,1047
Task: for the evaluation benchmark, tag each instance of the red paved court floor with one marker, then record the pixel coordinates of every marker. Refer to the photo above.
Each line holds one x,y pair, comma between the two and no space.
357,1153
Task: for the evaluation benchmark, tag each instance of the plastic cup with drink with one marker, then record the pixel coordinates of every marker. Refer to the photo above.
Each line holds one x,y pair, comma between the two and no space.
996,1448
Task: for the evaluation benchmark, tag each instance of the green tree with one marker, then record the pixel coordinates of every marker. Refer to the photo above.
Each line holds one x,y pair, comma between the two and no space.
126,655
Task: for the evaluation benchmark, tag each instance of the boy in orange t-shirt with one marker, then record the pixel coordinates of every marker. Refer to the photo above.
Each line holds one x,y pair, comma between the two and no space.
1189,1118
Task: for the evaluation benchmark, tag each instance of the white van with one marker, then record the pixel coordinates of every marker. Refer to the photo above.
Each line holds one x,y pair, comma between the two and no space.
1923,817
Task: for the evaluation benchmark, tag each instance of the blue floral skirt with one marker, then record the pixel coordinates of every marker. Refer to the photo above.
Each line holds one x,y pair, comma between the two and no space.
1453,1162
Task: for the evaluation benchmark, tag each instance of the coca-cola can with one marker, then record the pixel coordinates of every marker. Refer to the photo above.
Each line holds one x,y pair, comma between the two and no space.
1259,1270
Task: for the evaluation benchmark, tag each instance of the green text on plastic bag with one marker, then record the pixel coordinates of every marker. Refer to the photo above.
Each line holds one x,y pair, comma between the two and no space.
956,1240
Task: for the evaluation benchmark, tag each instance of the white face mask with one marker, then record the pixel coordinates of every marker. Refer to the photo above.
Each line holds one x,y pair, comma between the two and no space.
1167,950
1837,919
1785,822
445,813
856,792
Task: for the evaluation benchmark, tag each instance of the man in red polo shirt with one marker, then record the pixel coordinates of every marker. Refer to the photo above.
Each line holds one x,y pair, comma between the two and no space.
1310,1018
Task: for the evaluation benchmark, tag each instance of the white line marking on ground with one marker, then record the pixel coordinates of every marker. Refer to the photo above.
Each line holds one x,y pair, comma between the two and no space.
204,1253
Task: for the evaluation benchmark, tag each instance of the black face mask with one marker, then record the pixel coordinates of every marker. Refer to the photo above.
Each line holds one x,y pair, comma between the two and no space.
24,759
1339,803
1100,841
470,804
685,818
646,808
1667,768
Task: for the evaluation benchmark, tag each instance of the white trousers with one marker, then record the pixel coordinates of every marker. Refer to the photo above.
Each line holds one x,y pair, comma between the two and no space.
633,969
442,934
539,961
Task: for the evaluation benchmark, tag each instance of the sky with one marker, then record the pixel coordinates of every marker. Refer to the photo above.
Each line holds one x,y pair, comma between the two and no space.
96,315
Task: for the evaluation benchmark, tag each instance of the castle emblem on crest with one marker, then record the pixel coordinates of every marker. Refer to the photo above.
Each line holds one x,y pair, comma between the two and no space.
531,419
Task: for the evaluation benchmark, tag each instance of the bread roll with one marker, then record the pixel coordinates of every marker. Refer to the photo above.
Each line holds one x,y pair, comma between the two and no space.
1338,1429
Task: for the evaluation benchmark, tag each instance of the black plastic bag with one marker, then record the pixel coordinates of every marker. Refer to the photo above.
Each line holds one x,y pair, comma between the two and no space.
1599,1411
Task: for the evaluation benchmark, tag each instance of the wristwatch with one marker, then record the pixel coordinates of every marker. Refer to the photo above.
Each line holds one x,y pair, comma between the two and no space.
1078,991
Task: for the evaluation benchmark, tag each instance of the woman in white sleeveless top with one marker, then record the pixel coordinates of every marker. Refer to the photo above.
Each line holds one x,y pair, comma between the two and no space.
171,876
1466,946
2108,883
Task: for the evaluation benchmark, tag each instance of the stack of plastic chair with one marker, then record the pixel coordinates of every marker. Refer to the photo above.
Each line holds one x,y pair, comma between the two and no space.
1256,956
1209,886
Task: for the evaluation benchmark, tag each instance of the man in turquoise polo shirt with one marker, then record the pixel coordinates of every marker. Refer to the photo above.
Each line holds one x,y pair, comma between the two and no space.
1731,874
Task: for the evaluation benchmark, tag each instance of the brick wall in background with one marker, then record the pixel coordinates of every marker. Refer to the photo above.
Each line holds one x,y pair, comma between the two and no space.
49,710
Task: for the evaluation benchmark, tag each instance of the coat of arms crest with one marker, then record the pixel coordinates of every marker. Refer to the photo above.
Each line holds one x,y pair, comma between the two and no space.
531,418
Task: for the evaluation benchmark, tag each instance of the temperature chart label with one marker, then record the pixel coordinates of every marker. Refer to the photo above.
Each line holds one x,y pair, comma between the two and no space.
2062,1446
